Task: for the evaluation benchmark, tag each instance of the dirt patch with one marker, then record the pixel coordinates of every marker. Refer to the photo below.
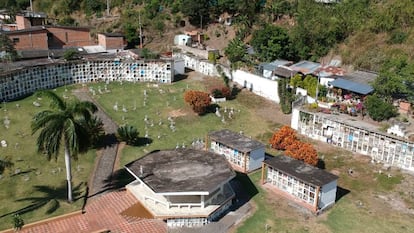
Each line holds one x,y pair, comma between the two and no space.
177,113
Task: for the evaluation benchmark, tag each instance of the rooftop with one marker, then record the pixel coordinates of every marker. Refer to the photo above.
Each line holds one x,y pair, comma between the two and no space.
274,64
181,170
357,81
285,72
305,67
235,140
301,170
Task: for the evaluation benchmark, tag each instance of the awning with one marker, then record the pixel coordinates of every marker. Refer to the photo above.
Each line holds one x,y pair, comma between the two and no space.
359,88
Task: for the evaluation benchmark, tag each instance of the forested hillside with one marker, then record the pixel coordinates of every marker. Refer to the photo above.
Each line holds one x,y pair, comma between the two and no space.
365,33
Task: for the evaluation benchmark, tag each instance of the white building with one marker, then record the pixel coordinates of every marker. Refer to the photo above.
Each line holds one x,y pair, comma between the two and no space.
311,187
243,153
184,187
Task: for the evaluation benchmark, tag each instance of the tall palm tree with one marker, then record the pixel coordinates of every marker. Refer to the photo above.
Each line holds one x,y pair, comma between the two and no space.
63,124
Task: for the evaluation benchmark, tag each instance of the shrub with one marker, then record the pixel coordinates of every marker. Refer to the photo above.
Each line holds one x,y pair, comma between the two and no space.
128,134
198,100
378,109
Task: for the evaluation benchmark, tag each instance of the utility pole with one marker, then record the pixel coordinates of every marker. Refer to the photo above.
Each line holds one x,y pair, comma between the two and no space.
31,6
140,30
107,7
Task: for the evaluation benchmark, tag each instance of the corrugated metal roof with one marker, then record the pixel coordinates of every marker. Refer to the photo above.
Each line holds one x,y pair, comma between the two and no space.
349,85
306,67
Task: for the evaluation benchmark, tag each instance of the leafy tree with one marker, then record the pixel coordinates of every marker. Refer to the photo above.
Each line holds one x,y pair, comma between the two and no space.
95,129
283,138
93,6
278,8
286,96
235,50
128,134
272,42
197,11
198,100
396,79
302,151
131,34
7,50
62,124
296,81
378,109
309,84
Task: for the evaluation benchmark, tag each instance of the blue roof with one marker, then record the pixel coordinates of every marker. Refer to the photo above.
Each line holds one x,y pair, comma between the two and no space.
359,88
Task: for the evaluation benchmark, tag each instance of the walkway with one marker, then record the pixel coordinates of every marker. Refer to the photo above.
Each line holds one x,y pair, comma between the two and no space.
101,177
102,213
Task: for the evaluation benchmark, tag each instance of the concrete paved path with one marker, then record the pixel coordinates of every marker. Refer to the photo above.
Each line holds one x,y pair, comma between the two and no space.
104,167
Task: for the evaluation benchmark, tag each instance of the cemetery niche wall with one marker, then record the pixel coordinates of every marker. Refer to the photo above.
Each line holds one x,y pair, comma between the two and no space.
19,83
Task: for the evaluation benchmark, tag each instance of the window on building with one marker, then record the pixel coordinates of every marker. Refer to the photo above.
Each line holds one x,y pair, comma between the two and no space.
16,40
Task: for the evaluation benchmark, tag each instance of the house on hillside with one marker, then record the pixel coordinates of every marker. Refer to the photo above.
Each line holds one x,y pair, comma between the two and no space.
112,41
310,187
184,187
50,37
243,153
306,67
357,82
268,70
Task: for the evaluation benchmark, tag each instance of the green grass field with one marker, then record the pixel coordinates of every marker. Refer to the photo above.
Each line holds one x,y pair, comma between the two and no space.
366,207
34,182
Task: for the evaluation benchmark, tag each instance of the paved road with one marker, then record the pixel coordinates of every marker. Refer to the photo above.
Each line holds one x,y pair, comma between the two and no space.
105,165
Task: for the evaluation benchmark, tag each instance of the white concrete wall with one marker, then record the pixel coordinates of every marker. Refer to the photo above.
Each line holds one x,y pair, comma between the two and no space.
294,120
179,66
256,158
258,85
261,86
328,195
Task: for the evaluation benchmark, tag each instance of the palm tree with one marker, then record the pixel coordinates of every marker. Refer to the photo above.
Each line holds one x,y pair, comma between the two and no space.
63,124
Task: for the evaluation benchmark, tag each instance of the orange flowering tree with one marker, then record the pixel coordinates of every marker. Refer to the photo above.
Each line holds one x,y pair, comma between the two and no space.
283,137
303,151
198,100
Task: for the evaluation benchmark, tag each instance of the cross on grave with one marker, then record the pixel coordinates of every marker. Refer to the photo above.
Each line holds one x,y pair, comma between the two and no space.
218,112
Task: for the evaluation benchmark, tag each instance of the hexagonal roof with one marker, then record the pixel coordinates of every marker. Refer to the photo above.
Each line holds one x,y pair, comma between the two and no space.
181,170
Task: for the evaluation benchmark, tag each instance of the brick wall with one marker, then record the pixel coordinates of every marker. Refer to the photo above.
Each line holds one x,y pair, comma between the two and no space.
111,42
68,37
22,22
30,40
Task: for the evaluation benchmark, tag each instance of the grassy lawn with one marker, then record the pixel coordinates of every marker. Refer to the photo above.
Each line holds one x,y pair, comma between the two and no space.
361,209
164,101
33,180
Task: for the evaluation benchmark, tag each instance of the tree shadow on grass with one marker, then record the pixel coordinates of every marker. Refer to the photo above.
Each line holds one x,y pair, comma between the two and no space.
51,198
142,141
